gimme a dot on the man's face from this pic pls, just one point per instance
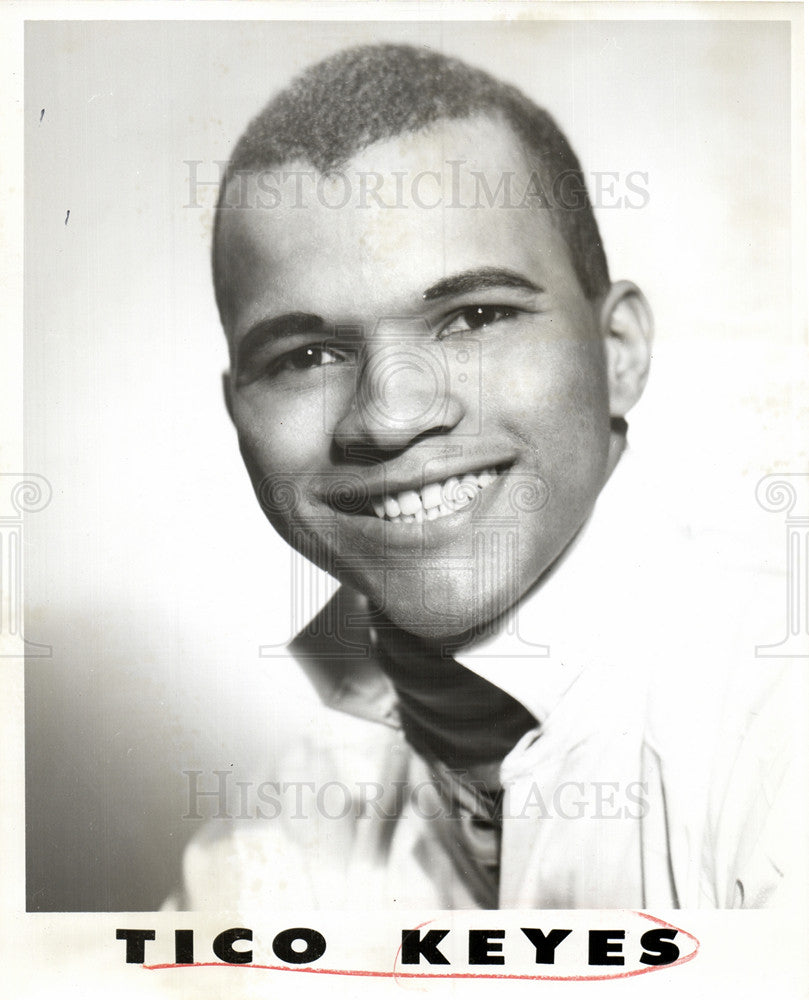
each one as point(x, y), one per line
point(420, 392)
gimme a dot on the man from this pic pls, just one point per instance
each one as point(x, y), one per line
point(430, 376)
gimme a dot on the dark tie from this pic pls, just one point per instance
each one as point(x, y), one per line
point(462, 726)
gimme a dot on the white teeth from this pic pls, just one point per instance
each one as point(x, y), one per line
point(450, 490)
point(409, 502)
point(436, 499)
point(431, 495)
point(469, 487)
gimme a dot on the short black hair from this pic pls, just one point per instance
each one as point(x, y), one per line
point(370, 93)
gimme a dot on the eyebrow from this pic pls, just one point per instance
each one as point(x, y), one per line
point(476, 280)
point(286, 325)
point(289, 324)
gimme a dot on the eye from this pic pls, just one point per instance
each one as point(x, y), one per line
point(475, 318)
point(309, 356)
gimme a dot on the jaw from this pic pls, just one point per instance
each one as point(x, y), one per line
point(449, 591)
point(441, 604)
point(448, 577)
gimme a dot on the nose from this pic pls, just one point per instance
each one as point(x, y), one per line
point(403, 391)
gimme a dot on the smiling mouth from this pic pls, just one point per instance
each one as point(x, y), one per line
point(434, 500)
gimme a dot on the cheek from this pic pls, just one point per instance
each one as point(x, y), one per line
point(557, 406)
point(280, 437)
point(273, 445)
point(554, 391)
point(577, 422)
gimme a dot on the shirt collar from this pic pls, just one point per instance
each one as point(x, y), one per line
point(336, 652)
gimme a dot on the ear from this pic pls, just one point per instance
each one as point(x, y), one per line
point(627, 326)
point(227, 393)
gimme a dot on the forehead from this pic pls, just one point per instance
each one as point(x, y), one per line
point(402, 214)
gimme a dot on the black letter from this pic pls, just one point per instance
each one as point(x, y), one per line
point(655, 940)
point(545, 944)
point(184, 947)
point(414, 946)
point(314, 940)
point(600, 951)
point(135, 946)
point(483, 948)
point(223, 946)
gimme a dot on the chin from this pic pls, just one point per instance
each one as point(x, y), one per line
point(443, 614)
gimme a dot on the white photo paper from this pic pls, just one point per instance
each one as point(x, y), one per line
point(405, 506)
